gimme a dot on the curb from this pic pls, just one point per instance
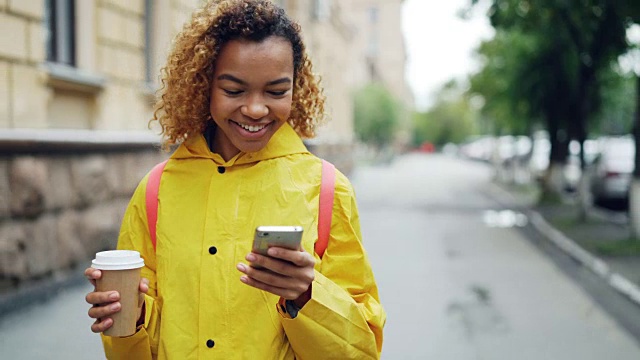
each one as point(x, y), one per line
point(596, 265)
point(38, 291)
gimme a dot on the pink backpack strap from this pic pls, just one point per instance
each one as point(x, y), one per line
point(151, 199)
point(327, 191)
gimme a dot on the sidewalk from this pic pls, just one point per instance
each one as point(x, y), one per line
point(602, 242)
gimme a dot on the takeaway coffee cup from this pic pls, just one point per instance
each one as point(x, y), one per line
point(121, 272)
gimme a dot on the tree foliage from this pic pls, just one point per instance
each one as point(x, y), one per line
point(376, 115)
point(505, 104)
point(451, 119)
point(554, 53)
point(615, 116)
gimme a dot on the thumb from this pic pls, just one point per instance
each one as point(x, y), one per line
point(144, 288)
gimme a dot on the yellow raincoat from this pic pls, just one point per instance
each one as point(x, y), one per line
point(197, 308)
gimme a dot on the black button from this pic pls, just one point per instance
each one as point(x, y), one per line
point(213, 250)
point(210, 343)
point(221, 169)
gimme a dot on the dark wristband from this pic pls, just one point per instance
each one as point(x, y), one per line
point(292, 308)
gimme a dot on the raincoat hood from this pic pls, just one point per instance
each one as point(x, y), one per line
point(284, 142)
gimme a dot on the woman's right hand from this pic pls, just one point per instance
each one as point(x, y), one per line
point(105, 304)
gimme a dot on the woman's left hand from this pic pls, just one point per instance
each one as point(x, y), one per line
point(286, 273)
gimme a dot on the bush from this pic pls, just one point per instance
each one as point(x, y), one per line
point(376, 115)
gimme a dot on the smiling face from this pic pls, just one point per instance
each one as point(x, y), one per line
point(251, 94)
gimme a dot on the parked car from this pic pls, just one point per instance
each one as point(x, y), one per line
point(478, 148)
point(609, 176)
point(539, 162)
point(572, 170)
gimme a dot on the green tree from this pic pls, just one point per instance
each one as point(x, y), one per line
point(451, 119)
point(575, 41)
point(630, 11)
point(506, 105)
point(376, 115)
point(618, 104)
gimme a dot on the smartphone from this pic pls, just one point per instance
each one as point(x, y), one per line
point(281, 236)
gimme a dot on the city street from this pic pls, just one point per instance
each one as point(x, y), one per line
point(454, 287)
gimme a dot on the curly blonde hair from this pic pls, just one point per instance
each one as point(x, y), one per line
point(183, 103)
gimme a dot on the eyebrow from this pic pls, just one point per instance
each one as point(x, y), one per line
point(242, 82)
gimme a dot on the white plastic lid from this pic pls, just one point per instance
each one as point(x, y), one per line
point(117, 260)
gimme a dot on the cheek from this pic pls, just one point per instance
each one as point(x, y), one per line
point(283, 108)
point(219, 105)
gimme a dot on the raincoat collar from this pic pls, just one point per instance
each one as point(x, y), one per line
point(284, 142)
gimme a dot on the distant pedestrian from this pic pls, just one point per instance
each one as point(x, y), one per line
point(238, 95)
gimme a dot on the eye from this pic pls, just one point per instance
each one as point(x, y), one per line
point(278, 93)
point(232, 92)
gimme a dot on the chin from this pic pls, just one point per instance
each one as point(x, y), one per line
point(253, 147)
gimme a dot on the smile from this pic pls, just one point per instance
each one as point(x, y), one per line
point(251, 128)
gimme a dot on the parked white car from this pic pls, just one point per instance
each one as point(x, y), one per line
point(572, 170)
point(609, 176)
point(539, 161)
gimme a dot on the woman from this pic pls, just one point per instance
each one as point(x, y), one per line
point(239, 93)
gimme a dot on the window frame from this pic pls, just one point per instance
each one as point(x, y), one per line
point(60, 28)
point(321, 10)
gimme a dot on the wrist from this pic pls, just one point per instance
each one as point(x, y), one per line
point(140, 321)
point(302, 300)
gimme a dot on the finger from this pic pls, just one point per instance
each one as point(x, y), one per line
point(299, 258)
point(285, 293)
point(275, 265)
point(267, 277)
point(144, 285)
point(92, 275)
point(97, 298)
point(100, 326)
point(98, 312)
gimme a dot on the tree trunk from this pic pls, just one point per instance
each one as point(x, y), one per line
point(585, 92)
point(634, 191)
point(553, 181)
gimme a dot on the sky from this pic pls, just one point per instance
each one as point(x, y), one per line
point(440, 44)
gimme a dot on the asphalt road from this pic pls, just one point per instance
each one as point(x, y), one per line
point(458, 286)
point(455, 284)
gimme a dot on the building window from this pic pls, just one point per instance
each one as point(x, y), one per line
point(148, 44)
point(373, 15)
point(373, 71)
point(60, 31)
point(321, 10)
point(372, 45)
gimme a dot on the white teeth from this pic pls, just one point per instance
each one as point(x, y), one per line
point(251, 128)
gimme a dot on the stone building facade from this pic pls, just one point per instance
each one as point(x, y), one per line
point(352, 43)
point(76, 95)
point(379, 46)
point(77, 82)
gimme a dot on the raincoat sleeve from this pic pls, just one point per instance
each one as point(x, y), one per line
point(134, 235)
point(344, 318)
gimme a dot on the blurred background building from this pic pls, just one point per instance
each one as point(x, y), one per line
point(77, 83)
point(353, 44)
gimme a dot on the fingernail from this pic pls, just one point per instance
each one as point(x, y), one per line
point(272, 252)
point(115, 307)
point(243, 279)
point(113, 296)
point(241, 267)
point(251, 257)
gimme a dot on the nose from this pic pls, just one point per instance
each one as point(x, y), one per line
point(255, 108)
